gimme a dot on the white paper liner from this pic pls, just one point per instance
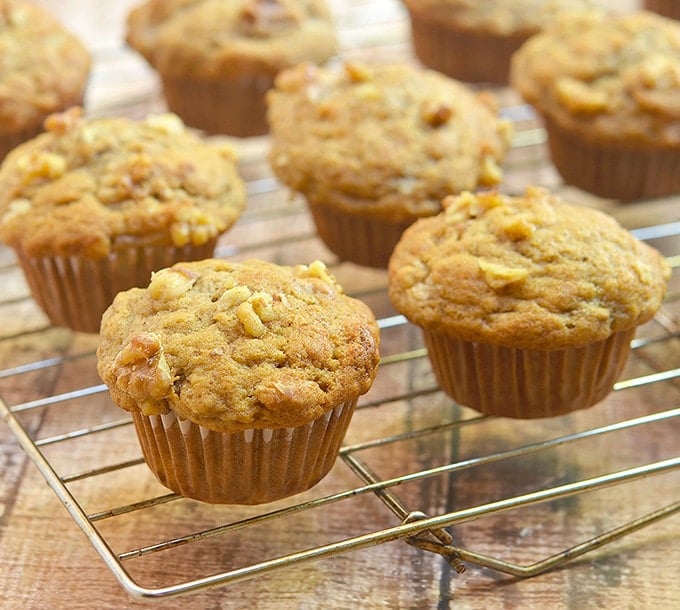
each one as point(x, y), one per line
point(75, 291)
point(248, 467)
point(507, 382)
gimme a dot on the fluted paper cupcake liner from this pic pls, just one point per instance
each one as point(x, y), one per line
point(233, 106)
point(669, 8)
point(362, 240)
point(502, 381)
point(249, 467)
point(75, 291)
point(463, 53)
point(610, 170)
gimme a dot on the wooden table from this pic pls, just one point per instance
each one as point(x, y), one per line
point(478, 469)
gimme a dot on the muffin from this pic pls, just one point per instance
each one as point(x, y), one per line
point(44, 69)
point(241, 377)
point(668, 8)
point(92, 207)
point(608, 91)
point(374, 147)
point(217, 59)
point(473, 40)
point(527, 304)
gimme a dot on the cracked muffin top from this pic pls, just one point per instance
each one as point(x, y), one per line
point(213, 38)
point(238, 345)
point(529, 272)
point(388, 141)
point(43, 67)
point(86, 187)
point(616, 78)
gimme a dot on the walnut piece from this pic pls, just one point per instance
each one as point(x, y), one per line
point(580, 97)
point(498, 275)
point(36, 165)
point(192, 226)
point(167, 123)
point(436, 113)
point(252, 323)
point(142, 372)
point(169, 284)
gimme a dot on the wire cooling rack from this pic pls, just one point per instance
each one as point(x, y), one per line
point(408, 447)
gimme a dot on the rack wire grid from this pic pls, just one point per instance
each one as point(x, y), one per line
point(423, 468)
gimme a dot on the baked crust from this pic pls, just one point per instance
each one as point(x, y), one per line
point(211, 39)
point(528, 272)
point(238, 345)
point(607, 79)
point(387, 141)
point(44, 67)
point(85, 187)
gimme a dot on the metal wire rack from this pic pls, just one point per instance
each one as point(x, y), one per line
point(405, 416)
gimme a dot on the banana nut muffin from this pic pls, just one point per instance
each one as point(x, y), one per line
point(92, 207)
point(473, 40)
point(44, 69)
point(217, 59)
point(608, 90)
point(374, 147)
point(527, 304)
point(242, 377)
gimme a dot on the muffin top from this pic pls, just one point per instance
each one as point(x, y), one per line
point(43, 67)
point(527, 272)
point(237, 345)
point(388, 141)
point(605, 77)
point(85, 187)
point(214, 38)
point(503, 17)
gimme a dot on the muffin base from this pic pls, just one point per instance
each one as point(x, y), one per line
point(619, 172)
point(356, 239)
point(462, 53)
point(525, 384)
point(74, 292)
point(669, 8)
point(248, 467)
point(233, 106)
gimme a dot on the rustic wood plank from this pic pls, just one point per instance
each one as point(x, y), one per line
point(48, 563)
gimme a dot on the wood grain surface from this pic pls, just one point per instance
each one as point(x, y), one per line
point(403, 426)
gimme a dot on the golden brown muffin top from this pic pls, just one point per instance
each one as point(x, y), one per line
point(613, 78)
point(215, 38)
point(504, 17)
point(388, 141)
point(43, 67)
point(238, 345)
point(86, 186)
point(528, 272)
